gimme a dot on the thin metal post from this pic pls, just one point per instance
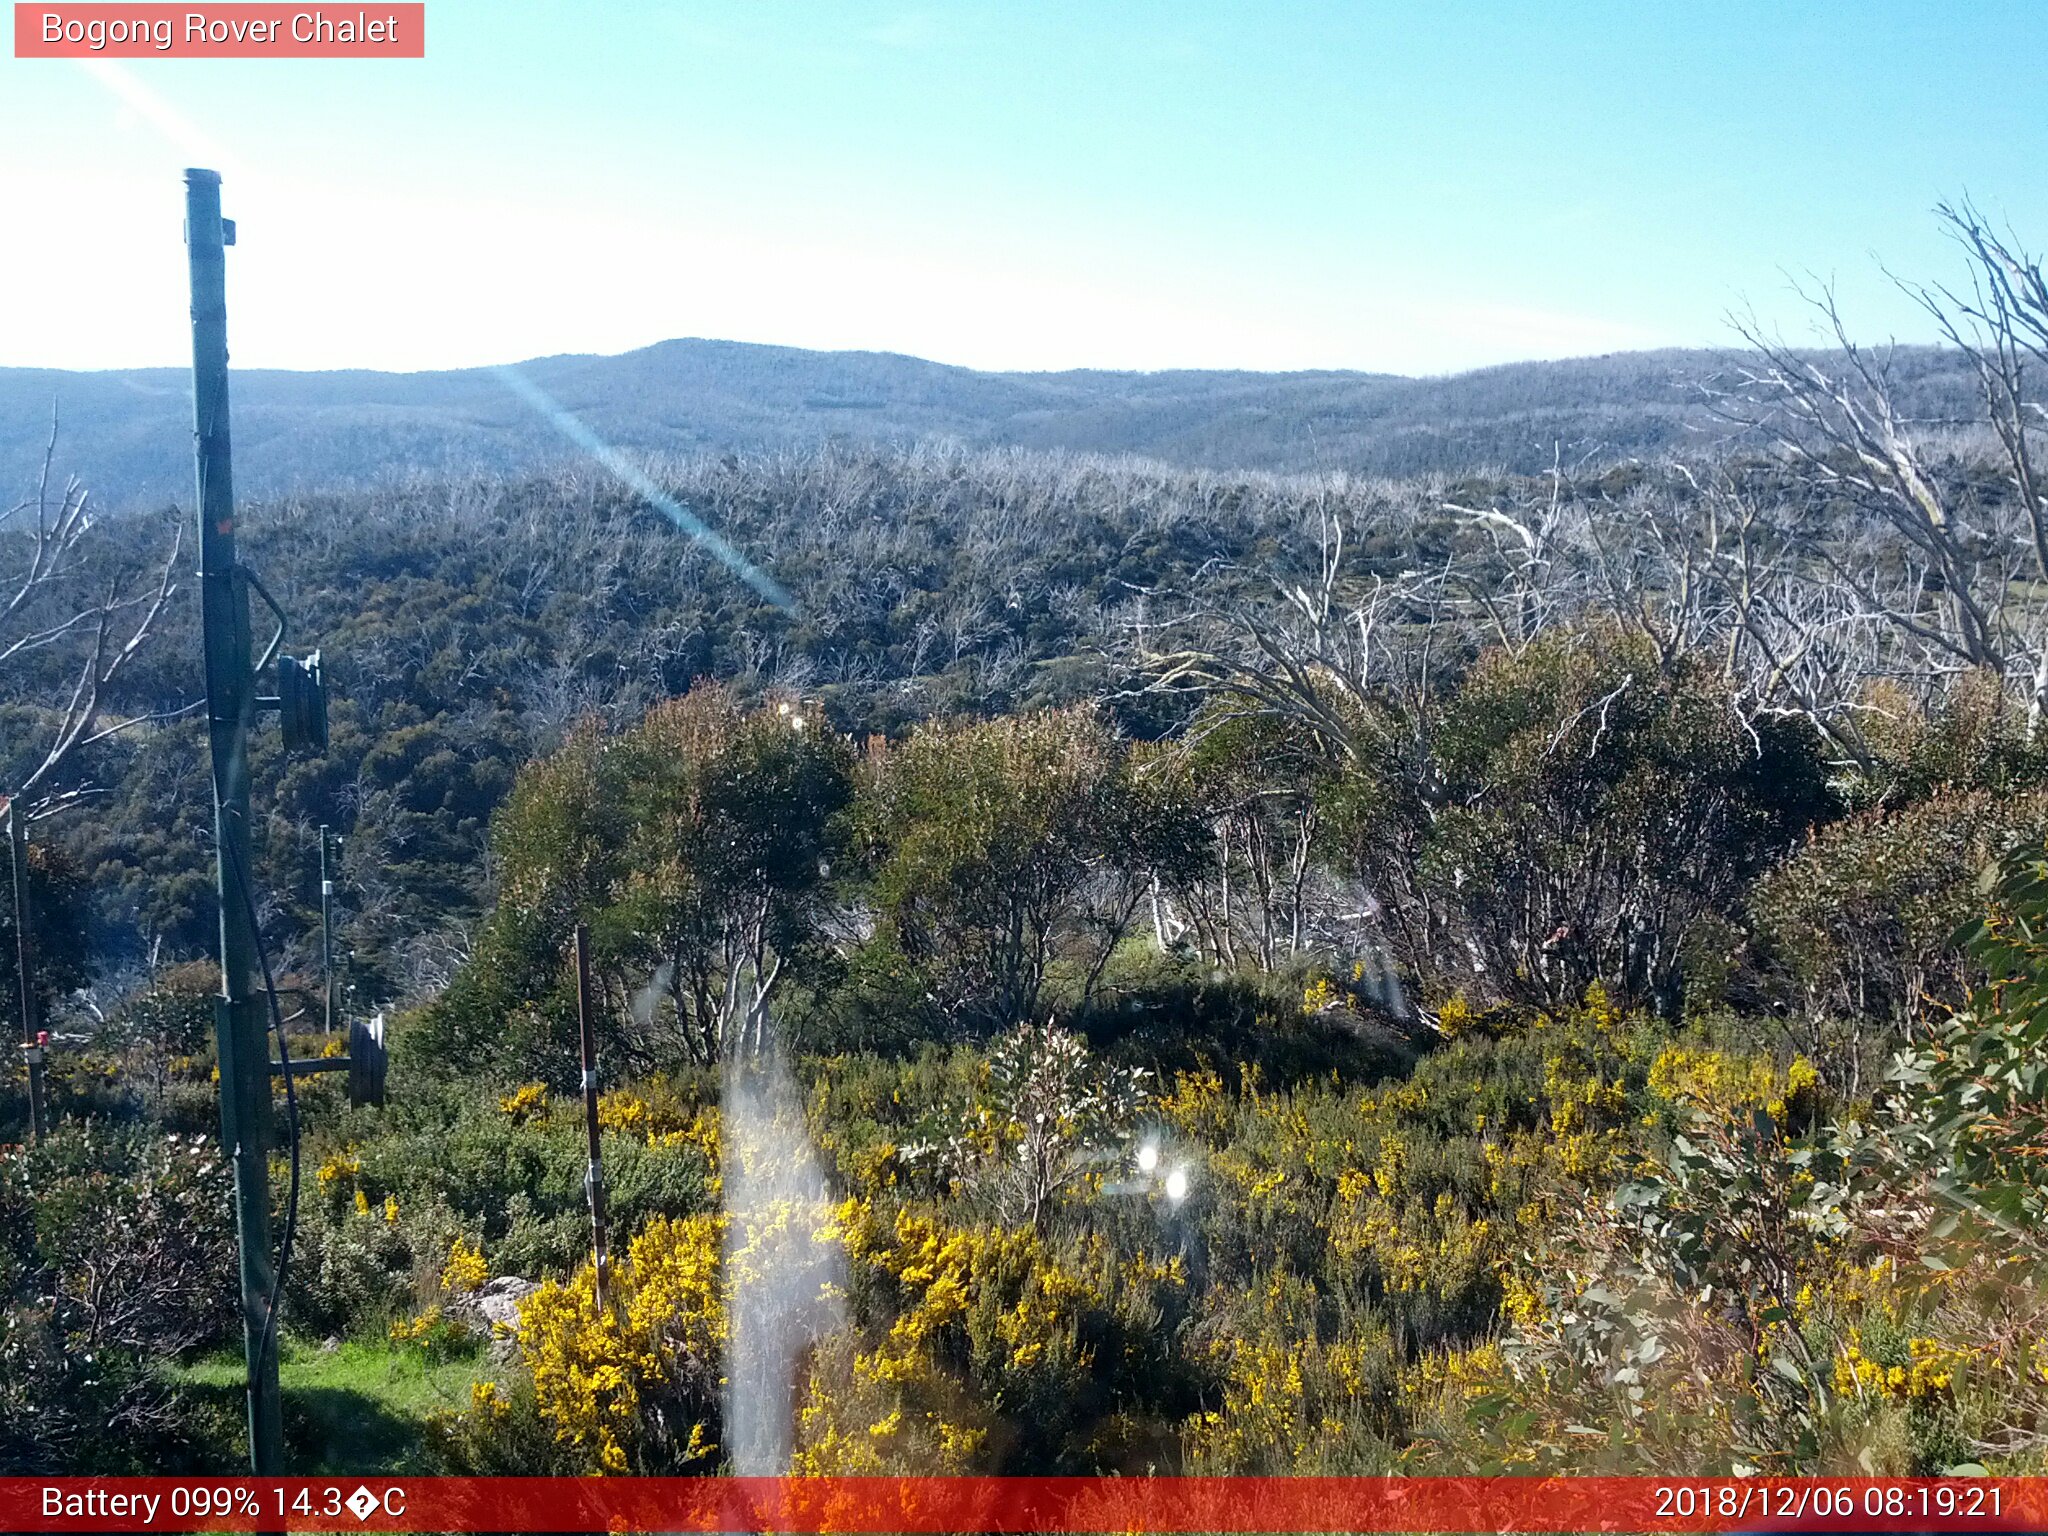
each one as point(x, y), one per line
point(593, 1172)
point(239, 1025)
point(326, 930)
point(25, 968)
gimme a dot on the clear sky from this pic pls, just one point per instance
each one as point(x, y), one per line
point(1415, 187)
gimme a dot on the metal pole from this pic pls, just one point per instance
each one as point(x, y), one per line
point(230, 704)
point(326, 929)
point(25, 968)
point(593, 1172)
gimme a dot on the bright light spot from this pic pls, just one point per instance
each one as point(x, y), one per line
point(1177, 1184)
point(1148, 1158)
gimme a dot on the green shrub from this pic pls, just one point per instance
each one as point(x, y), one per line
point(1857, 931)
point(114, 1255)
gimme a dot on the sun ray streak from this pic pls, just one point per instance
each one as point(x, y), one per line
point(544, 403)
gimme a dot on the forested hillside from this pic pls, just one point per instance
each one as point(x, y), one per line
point(293, 431)
point(1133, 968)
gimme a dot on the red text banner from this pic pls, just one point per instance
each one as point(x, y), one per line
point(965, 1504)
point(240, 31)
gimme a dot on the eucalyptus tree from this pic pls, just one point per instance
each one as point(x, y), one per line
point(1001, 848)
point(698, 846)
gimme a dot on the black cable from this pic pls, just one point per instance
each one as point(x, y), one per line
point(291, 1104)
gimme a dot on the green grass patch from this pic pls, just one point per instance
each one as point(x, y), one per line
point(356, 1408)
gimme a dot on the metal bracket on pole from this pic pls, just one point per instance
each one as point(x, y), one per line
point(366, 1063)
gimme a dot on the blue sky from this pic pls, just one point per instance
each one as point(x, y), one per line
point(1414, 187)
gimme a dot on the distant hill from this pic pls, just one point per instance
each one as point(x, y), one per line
point(127, 433)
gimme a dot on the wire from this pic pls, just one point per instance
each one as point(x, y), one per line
point(291, 1104)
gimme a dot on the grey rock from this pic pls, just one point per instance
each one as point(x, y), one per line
point(493, 1312)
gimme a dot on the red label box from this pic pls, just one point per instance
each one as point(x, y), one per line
point(242, 31)
point(1044, 1506)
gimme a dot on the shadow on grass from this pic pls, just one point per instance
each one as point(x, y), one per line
point(329, 1430)
point(343, 1430)
point(359, 1409)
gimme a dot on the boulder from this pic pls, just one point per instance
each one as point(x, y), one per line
point(493, 1311)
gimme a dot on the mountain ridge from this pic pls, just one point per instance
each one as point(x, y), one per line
point(126, 432)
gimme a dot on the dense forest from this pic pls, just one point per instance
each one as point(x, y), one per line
point(1133, 967)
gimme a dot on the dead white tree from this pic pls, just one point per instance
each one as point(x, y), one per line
point(2001, 325)
point(102, 611)
point(1321, 652)
point(1839, 423)
point(1942, 569)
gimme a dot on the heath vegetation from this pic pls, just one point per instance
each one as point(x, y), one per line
point(1280, 973)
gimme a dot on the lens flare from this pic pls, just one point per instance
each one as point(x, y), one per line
point(646, 489)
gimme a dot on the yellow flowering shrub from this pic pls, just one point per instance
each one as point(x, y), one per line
point(654, 1107)
point(622, 1110)
point(1320, 994)
point(1198, 1107)
point(634, 1388)
point(410, 1330)
point(465, 1270)
point(1292, 1399)
point(1927, 1372)
point(1455, 1377)
point(431, 1333)
point(526, 1102)
point(1432, 1271)
point(339, 1168)
point(1455, 1017)
point(974, 1327)
point(1521, 1303)
point(703, 1132)
point(1722, 1082)
point(1435, 1249)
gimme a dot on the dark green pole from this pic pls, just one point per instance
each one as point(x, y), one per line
point(326, 931)
point(25, 966)
point(230, 706)
point(593, 1168)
